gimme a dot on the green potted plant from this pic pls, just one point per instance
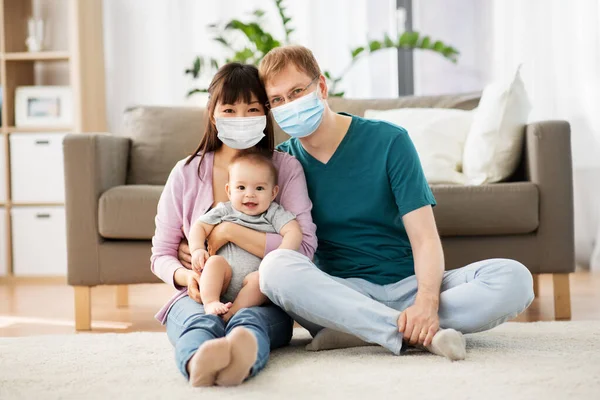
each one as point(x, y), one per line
point(258, 42)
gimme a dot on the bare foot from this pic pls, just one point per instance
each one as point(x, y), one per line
point(216, 308)
point(210, 358)
point(244, 350)
point(449, 343)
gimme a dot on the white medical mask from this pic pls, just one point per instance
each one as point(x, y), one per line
point(300, 117)
point(241, 133)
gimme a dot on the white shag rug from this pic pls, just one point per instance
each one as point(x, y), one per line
point(543, 360)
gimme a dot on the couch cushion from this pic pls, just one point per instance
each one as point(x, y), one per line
point(161, 136)
point(127, 212)
point(495, 209)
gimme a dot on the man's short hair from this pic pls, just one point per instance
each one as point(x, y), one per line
point(280, 57)
point(257, 158)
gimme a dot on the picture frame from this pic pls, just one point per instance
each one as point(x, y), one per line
point(37, 106)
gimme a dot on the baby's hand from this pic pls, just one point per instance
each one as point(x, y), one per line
point(199, 258)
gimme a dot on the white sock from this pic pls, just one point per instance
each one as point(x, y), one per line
point(449, 343)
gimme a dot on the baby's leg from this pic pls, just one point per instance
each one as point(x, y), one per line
point(214, 280)
point(249, 296)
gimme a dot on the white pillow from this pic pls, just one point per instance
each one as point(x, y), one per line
point(439, 136)
point(495, 141)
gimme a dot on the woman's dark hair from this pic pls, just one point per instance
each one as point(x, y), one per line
point(233, 82)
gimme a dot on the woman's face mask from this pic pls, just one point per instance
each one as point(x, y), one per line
point(300, 117)
point(241, 132)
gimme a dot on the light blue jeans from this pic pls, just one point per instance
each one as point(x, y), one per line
point(474, 298)
point(188, 327)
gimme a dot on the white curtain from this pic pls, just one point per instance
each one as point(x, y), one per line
point(558, 43)
point(149, 44)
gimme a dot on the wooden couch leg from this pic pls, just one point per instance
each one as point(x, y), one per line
point(122, 296)
point(83, 308)
point(536, 285)
point(562, 296)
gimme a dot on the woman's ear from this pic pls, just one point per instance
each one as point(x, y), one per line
point(275, 192)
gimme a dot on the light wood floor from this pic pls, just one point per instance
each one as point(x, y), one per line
point(47, 308)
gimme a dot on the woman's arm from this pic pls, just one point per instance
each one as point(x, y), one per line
point(248, 239)
point(168, 234)
point(294, 198)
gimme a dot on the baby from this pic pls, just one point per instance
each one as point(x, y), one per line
point(232, 274)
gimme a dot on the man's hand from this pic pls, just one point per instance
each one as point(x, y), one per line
point(218, 238)
point(420, 322)
point(183, 254)
point(193, 287)
point(199, 258)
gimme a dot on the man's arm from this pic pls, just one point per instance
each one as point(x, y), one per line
point(429, 269)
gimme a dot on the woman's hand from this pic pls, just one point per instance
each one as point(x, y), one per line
point(193, 287)
point(218, 238)
point(183, 254)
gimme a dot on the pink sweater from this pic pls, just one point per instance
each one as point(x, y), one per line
point(186, 197)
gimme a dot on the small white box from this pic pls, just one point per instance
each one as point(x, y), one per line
point(3, 260)
point(39, 241)
point(36, 164)
point(2, 170)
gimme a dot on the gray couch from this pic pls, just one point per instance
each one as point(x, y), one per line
point(113, 183)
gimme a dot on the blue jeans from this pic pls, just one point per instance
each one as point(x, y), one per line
point(474, 298)
point(188, 327)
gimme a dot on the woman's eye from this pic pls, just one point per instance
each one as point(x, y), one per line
point(254, 110)
point(228, 111)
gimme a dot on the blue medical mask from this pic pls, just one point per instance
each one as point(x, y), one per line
point(300, 117)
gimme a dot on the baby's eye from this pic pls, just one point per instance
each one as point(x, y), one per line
point(241, 187)
point(260, 188)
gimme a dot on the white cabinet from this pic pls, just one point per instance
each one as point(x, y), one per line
point(39, 241)
point(2, 170)
point(36, 166)
point(3, 260)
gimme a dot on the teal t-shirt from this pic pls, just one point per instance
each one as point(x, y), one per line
point(359, 197)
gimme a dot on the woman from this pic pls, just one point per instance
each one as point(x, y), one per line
point(209, 351)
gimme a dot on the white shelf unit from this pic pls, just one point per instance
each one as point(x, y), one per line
point(32, 220)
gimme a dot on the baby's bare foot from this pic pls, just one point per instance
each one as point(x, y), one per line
point(210, 358)
point(216, 308)
point(244, 350)
point(449, 343)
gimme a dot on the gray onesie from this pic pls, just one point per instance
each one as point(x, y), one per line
point(242, 262)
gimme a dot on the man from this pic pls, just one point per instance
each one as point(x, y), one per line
point(378, 272)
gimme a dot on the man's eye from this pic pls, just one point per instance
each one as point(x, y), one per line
point(276, 100)
point(297, 91)
point(241, 187)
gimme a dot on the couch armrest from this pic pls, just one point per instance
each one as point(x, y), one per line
point(93, 163)
point(548, 164)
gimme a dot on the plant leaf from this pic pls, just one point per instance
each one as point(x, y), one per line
point(388, 42)
point(425, 42)
point(357, 51)
point(258, 13)
point(194, 91)
point(374, 45)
